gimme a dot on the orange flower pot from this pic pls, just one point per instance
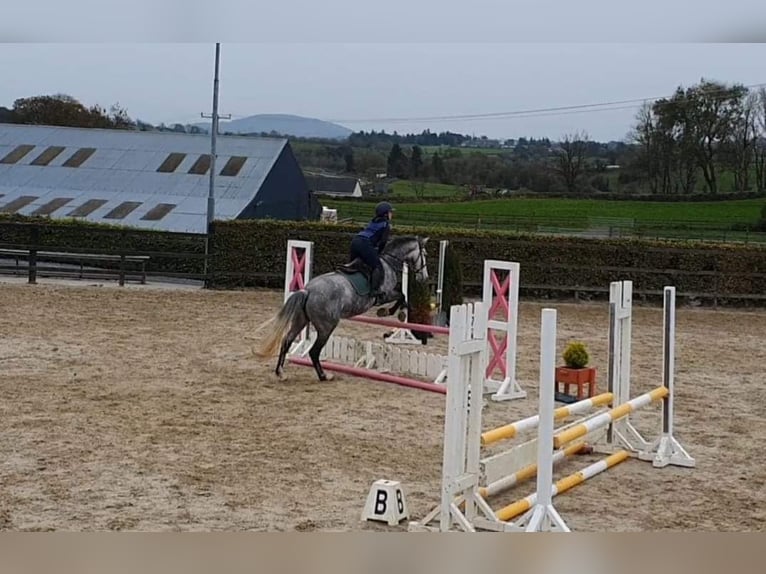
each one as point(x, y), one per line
point(584, 378)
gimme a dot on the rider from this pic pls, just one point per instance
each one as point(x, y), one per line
point(368, 244)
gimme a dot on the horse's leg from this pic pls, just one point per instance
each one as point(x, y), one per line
point(401, 300)
point(398, 304)
point(324, 330)
point(295, 329)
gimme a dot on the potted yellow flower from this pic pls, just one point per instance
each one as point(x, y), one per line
point(575, 372)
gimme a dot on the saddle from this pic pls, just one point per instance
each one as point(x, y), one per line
point(354, 266)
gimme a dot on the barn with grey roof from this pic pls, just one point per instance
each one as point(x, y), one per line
point(157, 180)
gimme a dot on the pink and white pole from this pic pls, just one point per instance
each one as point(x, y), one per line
point(501, 297)
point(300, 259)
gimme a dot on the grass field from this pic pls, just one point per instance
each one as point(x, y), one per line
point(743, 211)
point(710, 221)
point(720, 212)
point(404, 189)
point(431, 149)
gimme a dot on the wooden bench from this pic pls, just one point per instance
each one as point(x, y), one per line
point(32, 255)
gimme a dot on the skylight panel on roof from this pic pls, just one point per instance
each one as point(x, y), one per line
point(201, 166)
point(17, 154)
point(233, 166)
point(122, 210)
point(18, 203)
point(87, 208)
point(52, 206)
point(48, 155)
point(158, 211)
point(79, 157)
point(171, 162)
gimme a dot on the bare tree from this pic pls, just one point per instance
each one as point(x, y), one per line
point(645, 136)
point(759, 149)
point(570, 164)
point(743, 142)
point(713, 109)
point(418, 188)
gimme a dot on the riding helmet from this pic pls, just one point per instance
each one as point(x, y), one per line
point(383, 208)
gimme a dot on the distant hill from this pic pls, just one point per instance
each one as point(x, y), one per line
point(283, 124)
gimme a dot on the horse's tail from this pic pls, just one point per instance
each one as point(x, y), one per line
point(292, 308)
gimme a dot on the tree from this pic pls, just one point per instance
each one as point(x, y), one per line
point(397, 162)
point(120, 119)
point(348, 157)
point(368, 161)
point(739, 150)
point(714, 109)
point(7, 116)
point(570, 164)
point(452, 289)
point(677, 144)
point(699, 130)
point(64, 110)
point(646, 136)
point(437, 166)
point(418, 188)
point(416, 162)
point(759, 148)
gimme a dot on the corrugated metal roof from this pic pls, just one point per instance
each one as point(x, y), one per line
point(124, 168)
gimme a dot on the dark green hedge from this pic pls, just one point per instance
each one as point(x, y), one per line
point(547, 263)
point(169, 252)
point(252, 253)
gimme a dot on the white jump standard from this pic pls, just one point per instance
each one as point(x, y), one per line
point(500, 296)
point(463, 498)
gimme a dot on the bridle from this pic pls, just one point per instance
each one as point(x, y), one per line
point(421, 259)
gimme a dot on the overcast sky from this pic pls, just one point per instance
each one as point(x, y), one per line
point(373, 85)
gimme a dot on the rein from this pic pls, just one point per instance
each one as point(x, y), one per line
point(422, 261)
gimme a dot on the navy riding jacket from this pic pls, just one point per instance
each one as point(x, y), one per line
point(377, 232)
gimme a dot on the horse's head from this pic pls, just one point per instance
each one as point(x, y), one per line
point(420, 266)
point(412, 251)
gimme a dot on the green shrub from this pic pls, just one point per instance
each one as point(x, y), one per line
point(419, 298)
point(452, 288)
point(576, 355)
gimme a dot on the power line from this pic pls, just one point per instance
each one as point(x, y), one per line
point(529, 114)
point(616, 105)
point(598, 107)
point(501, 115)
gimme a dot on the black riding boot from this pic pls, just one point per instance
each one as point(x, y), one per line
point(376, 279)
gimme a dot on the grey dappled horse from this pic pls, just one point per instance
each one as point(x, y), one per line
point(330, 297)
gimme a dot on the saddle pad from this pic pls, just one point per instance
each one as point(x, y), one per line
point(359, 282)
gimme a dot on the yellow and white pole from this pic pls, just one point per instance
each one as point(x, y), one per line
point(511, 430)
point(520, 506)
point(527, 472)
point(604, 419)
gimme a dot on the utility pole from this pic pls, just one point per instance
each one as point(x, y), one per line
point(213, 136)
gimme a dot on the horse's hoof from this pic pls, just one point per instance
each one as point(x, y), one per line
point(326, 377)
point(281, 376)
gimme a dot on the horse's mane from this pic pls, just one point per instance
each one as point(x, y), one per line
point(399, 241)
